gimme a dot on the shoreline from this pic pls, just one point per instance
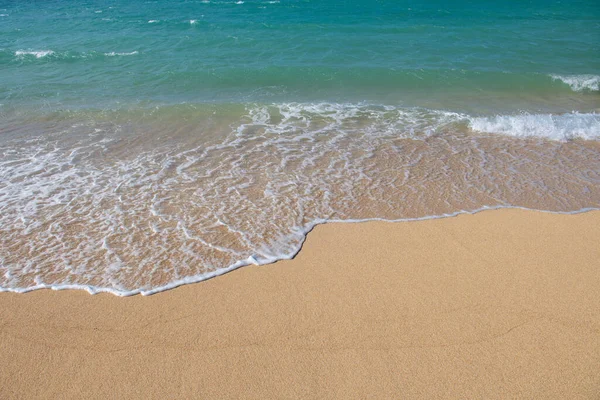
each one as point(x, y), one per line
point(493, 304)
point(92, 290)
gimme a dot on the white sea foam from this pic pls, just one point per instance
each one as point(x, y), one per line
point(579, 83)
point(193, 21)
point(554, 127)
point(377, 121)
point(113, 54)
point(153, 21)
point(91, 289)
point(36, 54)
point(99, 207)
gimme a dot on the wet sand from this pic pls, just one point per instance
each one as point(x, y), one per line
point(500, 304)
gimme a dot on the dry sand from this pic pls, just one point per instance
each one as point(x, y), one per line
point(501, 304)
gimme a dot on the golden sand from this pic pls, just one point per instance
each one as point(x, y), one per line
point(501, 304)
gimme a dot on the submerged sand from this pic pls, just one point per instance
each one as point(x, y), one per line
point(500, 304)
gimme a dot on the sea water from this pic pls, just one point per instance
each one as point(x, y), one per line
point(148, 144)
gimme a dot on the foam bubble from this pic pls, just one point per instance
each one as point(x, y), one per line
point(579, 83)
point(555, 127)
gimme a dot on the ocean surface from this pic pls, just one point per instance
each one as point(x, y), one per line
point(149, 144)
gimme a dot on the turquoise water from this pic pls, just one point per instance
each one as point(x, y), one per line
point(462, 55)
point(149, 144)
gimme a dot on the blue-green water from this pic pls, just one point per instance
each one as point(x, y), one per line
point(148, 144)
point(430, 53)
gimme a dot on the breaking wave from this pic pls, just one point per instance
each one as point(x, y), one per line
point(554, 127)
point(580, 83)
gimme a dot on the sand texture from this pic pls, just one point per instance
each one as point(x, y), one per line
point(500, 304)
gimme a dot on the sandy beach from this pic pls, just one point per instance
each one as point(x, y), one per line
point(500, 304)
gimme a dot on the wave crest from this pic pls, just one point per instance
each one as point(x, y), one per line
point(113, 54)
point(34, 53)
point(555, 127)
point(579, 83)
